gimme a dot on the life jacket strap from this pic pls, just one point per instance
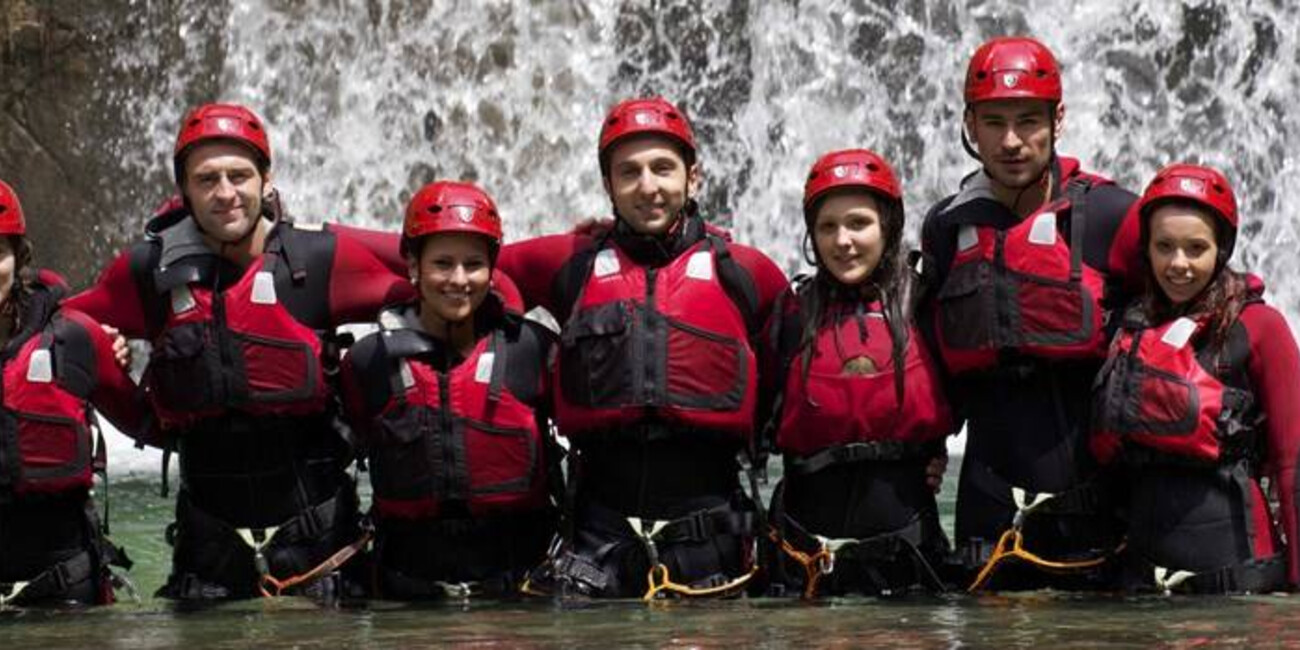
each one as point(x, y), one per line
point(51, 582)
point(857, 452)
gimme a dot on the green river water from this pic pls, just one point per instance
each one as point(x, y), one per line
point(1040, 619)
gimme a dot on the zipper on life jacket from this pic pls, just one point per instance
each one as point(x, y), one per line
point(646, 363)
point(445, 441)
point(1002, 306)
point(222, 334)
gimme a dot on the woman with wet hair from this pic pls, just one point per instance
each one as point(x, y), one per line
point(1198, 403)
point(858, 409)
point(55, 364)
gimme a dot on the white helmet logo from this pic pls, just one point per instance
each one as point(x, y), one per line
point(463, 212)
point(840, 171)
point(1192, 185)
point(227, 125)
point(643, 119)
point(1010, 79)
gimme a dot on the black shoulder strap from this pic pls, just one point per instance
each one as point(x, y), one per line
point(308, 258)
point(738, 284)
point(1077, 192)
point(74, 359)
point(571, 279)
point(142, 260)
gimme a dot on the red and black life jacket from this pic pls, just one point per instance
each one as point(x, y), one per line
point(462, 435)
point(254, 347)
point(46, 440)
point(1025, 288)
point(1160, 391)
point(834, 409)
point(669, 342)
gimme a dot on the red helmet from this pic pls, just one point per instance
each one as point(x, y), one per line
point(450, 206)
point(224, 122)
point(11, 212)
point(851, 168)
point(1204, 186)
point(654, 115)
point(1013, 68)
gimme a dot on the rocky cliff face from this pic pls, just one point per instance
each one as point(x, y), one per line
point(62, 131)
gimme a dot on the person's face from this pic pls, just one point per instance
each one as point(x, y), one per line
point(225, 189)
point(1183, 250)
point(1014, 138)
point(649, 183)
point(7, 265)
point(849, 236)
point(452, 276)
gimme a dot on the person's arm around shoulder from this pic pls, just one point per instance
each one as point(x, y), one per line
point(112, 392)
point(769, 280)
point(361, 284)
point(1273, 369)
point(534, 265)
point(114, 299)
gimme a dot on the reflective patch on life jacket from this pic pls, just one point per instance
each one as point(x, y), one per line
point(1179, 333)
point(1043, 232)
point(39, 367)
point(967, 237)
point(182, 300)
point(606, 263)
point(483, 369)
point(700, 266)
point(263, 288)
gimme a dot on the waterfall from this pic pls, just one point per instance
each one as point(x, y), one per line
point(367, 100)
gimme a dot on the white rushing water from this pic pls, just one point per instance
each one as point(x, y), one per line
point(367, 100)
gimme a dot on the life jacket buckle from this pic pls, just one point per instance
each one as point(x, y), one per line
point(1167, 580)
point(13, 593)
point(647, 536)
point(258, 539)
point(1025, 508)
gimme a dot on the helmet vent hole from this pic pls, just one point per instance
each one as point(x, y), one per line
point(1041, 73)
point(981, 75)
point(254, 126)
point(195, 122)
point(435, 209)
point(612, 121)
point(873, 167)
point(671, 116)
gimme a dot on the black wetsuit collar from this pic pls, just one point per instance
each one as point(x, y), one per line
point(658, 250)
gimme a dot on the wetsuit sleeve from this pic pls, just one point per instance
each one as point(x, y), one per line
point(535, 263)
point(114, 299)
point(1274, 366)
point(769, 279)
point(114, 394)
point(361, 284)
point(385, 246)
point(937, 245)
point(771, 374)
point(1110, 243)
point(353, 397)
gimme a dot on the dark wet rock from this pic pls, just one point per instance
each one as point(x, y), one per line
point(432, 125)
point(67, 68)
point(1262, 51)
point(1202, 26)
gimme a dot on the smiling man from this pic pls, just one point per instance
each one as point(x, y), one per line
point(238, 303)
point(1018, 258)
point(655, 371)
